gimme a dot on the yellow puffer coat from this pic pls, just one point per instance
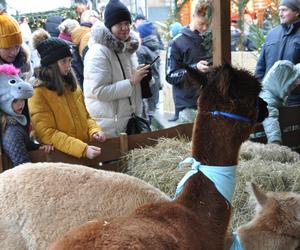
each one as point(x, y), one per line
point(80, 37)
point(62, 121)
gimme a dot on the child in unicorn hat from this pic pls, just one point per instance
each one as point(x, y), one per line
point(14, 91)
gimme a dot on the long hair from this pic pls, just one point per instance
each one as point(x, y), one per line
point(52, 79)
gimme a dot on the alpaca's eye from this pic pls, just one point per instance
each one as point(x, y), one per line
point(12, 81)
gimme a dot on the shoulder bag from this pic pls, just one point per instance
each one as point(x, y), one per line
point(136, 124)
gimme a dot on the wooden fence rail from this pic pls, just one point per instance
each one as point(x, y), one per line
point(114, 149)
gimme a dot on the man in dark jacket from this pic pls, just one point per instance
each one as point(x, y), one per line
point(191, 47)
point(283, 43)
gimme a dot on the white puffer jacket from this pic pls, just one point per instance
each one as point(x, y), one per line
point(105, 90)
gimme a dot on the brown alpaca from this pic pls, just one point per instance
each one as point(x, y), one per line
point(276, 224)
point(198, 218)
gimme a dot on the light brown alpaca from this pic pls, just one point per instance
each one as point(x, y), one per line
point(41, 201)
point(198, 218)
point(276, 224)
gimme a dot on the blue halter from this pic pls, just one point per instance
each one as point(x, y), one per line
point(233, 116)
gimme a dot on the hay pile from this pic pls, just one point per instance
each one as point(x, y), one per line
point(273, 167)
point(158, 165)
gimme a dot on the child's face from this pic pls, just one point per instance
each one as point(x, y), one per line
point(64, 65)
point(18, 105)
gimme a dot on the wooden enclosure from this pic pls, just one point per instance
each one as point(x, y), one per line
point(114, 149)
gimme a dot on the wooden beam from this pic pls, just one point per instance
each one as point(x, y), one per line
point(221, 32)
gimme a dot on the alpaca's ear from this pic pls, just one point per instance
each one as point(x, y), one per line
point(260, 196)
point(225, 81)
point(195, 77)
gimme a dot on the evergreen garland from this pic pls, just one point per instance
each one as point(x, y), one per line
point(38, 19)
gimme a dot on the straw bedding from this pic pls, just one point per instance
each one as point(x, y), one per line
point(273, 167)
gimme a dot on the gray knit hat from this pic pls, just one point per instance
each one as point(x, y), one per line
point(292, 4)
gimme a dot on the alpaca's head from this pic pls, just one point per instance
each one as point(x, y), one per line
point(227, 89)
point(277, 213)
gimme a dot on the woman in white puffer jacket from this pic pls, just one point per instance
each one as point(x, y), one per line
point(106, 91)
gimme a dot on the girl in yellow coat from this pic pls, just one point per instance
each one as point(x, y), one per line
point(58, 113)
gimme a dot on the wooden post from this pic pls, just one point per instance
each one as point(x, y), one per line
point(123, 143)
point(124, 150)
point(221, 32)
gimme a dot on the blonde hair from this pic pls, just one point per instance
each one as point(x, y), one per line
point(201, 8)
point(87, 15)
point(68, 25)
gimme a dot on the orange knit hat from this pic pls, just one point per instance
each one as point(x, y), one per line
point(10, 33)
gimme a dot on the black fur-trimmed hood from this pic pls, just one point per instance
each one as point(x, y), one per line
point(102, 35)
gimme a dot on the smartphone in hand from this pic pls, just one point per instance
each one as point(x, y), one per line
point(156, 58)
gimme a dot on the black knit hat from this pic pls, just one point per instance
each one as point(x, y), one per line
point(52, 49)
point(115, 12)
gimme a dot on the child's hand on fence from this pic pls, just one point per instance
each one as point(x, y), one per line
point(92, 152)
point(99, 136)
point(46, 148)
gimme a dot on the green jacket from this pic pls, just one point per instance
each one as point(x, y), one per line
point(276, 87)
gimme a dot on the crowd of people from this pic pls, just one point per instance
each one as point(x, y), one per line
point(88, 77)
point(86, 80)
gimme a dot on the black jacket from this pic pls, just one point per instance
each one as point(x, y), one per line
point(186, 49)
point(282, 43)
